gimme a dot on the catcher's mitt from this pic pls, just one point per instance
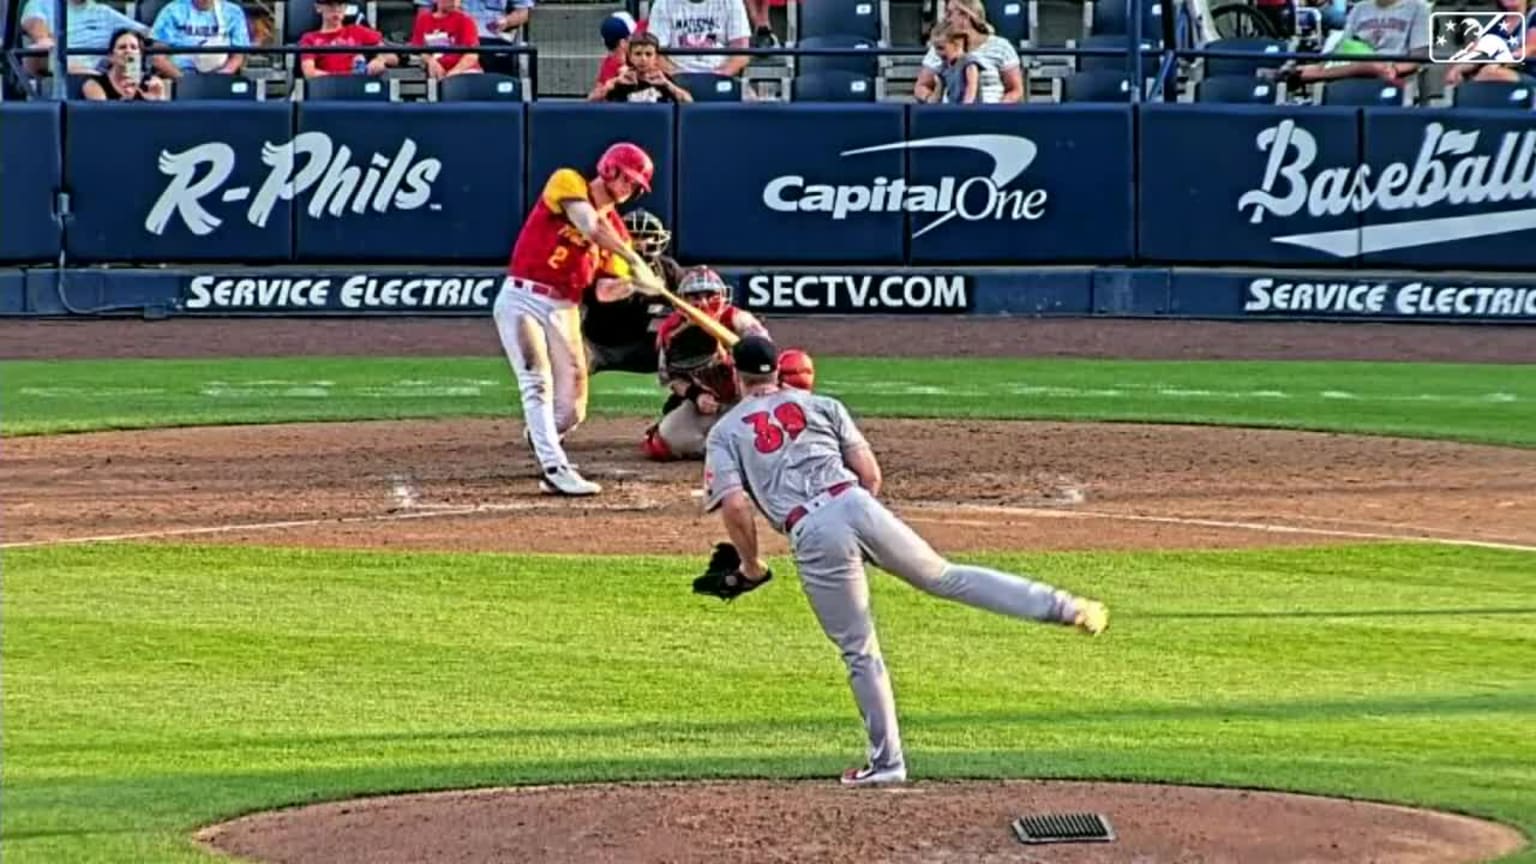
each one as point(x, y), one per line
point(723, 577)
point(694, 355)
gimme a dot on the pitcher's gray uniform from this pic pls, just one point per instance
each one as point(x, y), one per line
point(786, 451)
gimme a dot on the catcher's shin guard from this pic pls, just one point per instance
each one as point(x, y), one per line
point(655, 447)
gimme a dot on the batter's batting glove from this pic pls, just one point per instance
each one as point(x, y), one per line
point(723, 577)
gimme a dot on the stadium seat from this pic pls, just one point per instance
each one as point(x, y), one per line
point(214, 87)
point(833, 86)
point(1014, 20)
point(708, 87)
point(1361, 92)
point(146, 10)
point(851, 63)
point(1096, 87)
point(1112, 18)
point(1222, 66)
point(1236, 90)
point(346, 88)
point(855, 18)
point(299, 17)
point(485, 87)
point(1107, 63)
point(1508, 95)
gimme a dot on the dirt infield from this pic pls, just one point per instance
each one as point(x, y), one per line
point(469, 485)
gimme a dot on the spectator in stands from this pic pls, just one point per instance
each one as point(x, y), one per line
point(200, 24)
point(642, 79)
point(125, 79)
point(497, 22)
point(1511, 30)
point(442, 27)
point(335, 32)
point(762, 28)
point(960, 77)
point(91, 26)
point(616, 31)
point(1388, 26)
point(701, 24)
point(1002, 75)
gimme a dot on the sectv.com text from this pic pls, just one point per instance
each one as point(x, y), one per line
point(852, 294)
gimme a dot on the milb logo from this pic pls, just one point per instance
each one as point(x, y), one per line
point(1477, 37)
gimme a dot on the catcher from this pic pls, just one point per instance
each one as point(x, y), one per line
point(697, 371)
point(621, 336)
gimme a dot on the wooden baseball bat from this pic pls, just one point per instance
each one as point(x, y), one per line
point(723, 334)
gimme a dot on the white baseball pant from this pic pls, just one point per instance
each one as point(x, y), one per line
point(541, 336)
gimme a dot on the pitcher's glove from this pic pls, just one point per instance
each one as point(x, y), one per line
point(723, 577)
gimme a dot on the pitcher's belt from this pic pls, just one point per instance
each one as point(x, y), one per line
point(816, 503)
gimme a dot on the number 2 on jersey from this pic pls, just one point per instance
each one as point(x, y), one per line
point(557, 257)
point(788, 419)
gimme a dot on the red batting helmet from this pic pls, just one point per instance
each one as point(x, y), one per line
point(629, 161)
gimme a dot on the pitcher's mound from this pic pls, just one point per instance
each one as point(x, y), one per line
point(826, 824)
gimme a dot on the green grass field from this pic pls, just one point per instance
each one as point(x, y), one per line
point(1486, 403)
point(152, 689)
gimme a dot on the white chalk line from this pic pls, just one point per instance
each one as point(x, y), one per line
point(1265, 527)
point(438, 511)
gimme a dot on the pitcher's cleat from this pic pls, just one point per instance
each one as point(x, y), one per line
point(1092, 617)
point(563, 480)
point(868, 776)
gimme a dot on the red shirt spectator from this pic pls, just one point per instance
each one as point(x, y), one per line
point(340, 64)
point(617, 29)
point(443, 27)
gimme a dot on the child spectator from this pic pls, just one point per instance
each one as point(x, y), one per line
point(335, 32)
point(200, 24)
point(960, 77)
point(124, 80)
point(642, 79)
point(1002, 74)
point(443, 27)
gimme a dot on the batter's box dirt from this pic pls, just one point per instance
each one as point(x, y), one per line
point(931, 823)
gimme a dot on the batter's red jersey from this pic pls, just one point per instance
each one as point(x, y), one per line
point(549, 249)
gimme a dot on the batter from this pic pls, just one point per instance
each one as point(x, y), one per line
point(801, 461)
point(573, 239)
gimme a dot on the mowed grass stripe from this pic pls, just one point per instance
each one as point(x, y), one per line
point(151, 689)
point(1479, 403)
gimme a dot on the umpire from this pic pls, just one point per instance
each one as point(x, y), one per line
point(621, 336)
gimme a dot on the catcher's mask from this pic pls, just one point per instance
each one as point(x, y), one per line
point(704, 288)
point(650, 236)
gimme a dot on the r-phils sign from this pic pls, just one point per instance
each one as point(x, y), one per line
point(330, 182)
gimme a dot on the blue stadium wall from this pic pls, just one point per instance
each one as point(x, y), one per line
point(1067, 210)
